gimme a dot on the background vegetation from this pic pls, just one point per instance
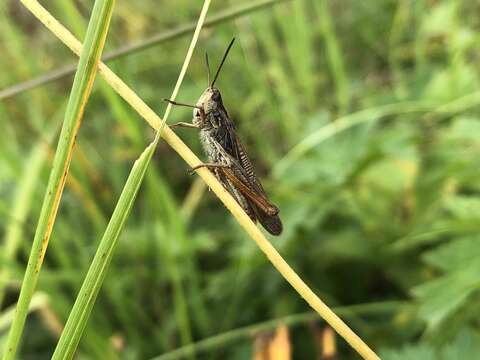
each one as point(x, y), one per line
point(362, 119)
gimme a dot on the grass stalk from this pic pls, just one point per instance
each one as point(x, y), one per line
point(85, 300)
point(78, 317)
point(82, 85)
point(192, 160)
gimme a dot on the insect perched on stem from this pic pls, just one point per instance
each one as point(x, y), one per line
point(227, 157)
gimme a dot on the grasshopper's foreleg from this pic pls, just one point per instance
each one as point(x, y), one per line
point(185, 125)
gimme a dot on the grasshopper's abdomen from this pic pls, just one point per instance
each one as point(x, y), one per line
point(209, 147)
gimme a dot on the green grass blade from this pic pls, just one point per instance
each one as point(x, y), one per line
point(93, 281)
point(85, 300)
point(82, 85)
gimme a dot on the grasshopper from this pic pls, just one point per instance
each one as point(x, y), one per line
point(227, 157)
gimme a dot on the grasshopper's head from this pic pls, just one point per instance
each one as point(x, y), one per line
point(208, 101)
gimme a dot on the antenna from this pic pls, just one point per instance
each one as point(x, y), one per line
point(223, 60)
point(208, 68)
point(180, 104)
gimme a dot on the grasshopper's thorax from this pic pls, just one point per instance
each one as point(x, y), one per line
point(209, 101)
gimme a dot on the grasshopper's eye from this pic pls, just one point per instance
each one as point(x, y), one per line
point(196, 112)
point(216, 95)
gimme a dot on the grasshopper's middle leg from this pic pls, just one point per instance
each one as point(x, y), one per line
point(208, 166)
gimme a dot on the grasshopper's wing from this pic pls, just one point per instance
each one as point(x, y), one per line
point(237, 194)
point(270, 221)
point(264, 211)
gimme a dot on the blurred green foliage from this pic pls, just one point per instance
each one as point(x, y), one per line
point(385, 209)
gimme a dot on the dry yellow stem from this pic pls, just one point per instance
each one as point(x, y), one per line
point(191, 159)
